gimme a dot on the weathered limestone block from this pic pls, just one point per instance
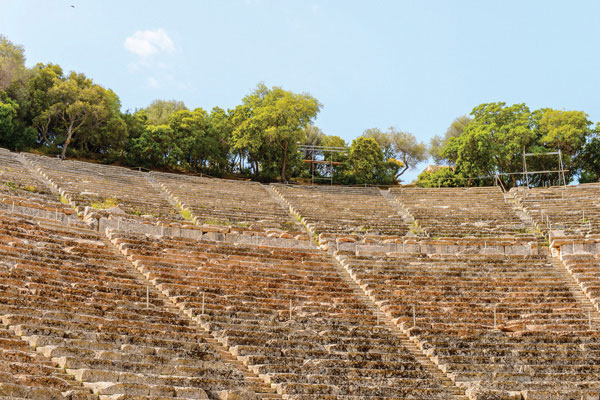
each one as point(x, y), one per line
point(237, 395)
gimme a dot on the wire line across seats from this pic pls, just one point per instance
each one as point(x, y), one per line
point(227, 202)
point(81, 304)
point(89, 184)
point(334, 211)
point(287, 314)
point(495, 324)
point(460, 212)
point(575, 210)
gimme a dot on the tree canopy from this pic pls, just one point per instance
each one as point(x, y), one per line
point(68, 114)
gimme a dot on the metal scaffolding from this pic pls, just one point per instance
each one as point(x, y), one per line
point(314, 151)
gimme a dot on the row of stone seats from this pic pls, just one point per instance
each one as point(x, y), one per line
point(574, 210)
point(460, 212)
point(25, 374)
point(16, 179)
point(499, 325)
point(120, 190)
point(287, 314)
point(334, 211)
point(585, 269)
point(81, 304)
point(225, 202)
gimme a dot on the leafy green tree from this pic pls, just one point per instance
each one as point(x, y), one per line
point(366, 162)
point(438, 144)
point(588, 161)
point(270, 119)
point(155, 147)
point(159, 111)
point(8, 116)
point(12, 62)
point(13, 133)
point(440, 177)
point(493, 142)
point(401, 149)
point(76, 101)
point(219, 132)
point(42, 117)
point(384, 139)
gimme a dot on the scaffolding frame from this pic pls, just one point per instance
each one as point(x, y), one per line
point(323, 149)
point(561, 171)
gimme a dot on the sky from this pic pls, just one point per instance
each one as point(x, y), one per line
point(414, 65)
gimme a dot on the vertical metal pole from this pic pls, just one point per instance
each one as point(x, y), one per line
point(13, 208)
point(203, 303)
point(495, 325)
point(377, 312)
point(147, 297)
point(312, 168)
point(414, 316)
point(56, 214)
point(562, 170)
point(525, 175)
point(290, 309)
point(162, 230)
point(331, 169)
point(590, 319)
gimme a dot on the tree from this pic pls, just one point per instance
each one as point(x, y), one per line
point(41, 80)
point(588, 161)
point(407, 150)
point(274, 117)
point(366, 163)
point(384, 140)
point(76, 101)
point(442, 176)
point(438, 144)
point(493, 142)
point(159, 111)
point(400, 148)
point(12, 62)
point(8, 116)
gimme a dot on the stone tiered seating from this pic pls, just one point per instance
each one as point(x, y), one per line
point(540, 345)
point(229, 203)
point(353, 212)
point(574, 210)
point(76, 300)
point(25, 374)
point(288, 315)
point(585, 269)
point(106, 187)
point(15, 179)
point(460, 212)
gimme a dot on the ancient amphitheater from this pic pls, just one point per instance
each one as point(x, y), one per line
point(120, 284)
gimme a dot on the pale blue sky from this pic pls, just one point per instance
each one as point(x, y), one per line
point(413, 64)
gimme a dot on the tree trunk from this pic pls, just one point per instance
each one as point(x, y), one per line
point(283, 162)
point(69, 135)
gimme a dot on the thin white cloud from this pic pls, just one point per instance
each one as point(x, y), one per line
point(152, 83)
point(150, 42)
